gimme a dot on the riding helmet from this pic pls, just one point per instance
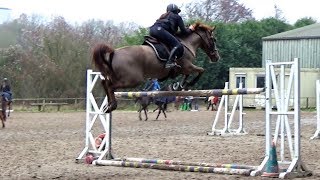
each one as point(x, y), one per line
point(173, 8)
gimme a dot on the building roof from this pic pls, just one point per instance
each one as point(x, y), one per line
point(306, 32)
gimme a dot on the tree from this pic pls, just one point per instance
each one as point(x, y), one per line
point(278, 13)
point(50, 59)
point(218, 10)
point(273, 26)
point(304, 22)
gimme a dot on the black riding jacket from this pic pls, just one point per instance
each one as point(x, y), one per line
point(172, 22)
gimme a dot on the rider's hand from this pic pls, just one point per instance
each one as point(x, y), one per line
point(191, 27)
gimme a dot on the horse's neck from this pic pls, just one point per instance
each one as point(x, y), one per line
point(191, 42)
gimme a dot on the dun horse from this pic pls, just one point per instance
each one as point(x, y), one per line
point(128, 67)
point(3, 113)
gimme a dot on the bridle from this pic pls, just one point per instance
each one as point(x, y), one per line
point(209, 42)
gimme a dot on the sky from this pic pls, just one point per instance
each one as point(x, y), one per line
point(145, 12)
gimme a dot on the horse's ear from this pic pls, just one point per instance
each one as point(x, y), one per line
point(213, 28)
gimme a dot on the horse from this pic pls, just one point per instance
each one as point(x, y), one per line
point(127, 67)
point(3, 115)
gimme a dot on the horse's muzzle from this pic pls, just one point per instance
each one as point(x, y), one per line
point(214, 56)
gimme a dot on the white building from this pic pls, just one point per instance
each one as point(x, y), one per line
point(5, 14)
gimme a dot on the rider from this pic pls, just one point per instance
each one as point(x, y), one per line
point(165, 29)
point(5, 90)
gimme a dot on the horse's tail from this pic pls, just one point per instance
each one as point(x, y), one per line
point(102, 58)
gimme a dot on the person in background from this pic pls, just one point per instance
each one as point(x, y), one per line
point(5, 90)
point(152, 84)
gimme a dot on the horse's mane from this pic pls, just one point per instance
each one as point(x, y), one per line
point(199, 25)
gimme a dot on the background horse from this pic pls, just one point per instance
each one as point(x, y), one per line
point(144, 102)
point(128, 67)
point(161, 103)
point(3, 114)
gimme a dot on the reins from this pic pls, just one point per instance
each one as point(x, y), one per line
point(214, 49)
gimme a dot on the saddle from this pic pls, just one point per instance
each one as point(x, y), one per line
point(162, 51)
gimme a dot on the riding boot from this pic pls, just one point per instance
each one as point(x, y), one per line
point(171, 60)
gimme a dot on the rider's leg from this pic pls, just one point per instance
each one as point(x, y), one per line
point(172, 57)
point(167, 38)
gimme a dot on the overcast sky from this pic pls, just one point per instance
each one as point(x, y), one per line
point(144, 12)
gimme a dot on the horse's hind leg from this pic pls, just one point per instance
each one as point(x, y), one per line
point(112, 105)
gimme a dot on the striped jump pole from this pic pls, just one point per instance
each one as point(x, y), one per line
point(174, 167)
point(212, 92)
point(172, 162)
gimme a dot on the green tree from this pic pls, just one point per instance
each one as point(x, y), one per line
point(304, 22)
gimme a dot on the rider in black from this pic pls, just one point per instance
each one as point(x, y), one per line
point(164, 30)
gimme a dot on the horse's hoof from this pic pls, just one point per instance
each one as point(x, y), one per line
point(176, 86)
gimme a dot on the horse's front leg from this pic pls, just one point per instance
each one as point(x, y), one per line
point(184, 81)
point(112, 102)
point(3, 125)
point(3, 111)
point(193, 69)
point(9, 104)
point(159, 111)
point(146, 113)
point(139, 111)
point(2, 120)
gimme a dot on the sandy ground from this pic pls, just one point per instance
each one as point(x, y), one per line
point(45, 145)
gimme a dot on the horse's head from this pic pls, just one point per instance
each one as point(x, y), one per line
point(208, 40)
